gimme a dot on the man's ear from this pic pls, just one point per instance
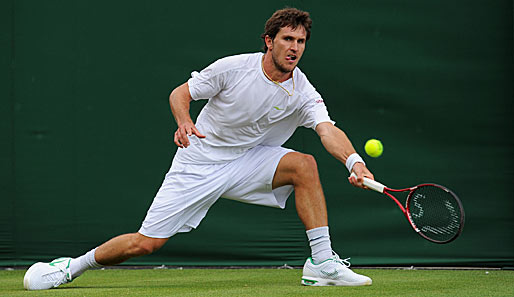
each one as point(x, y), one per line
point(269, 42)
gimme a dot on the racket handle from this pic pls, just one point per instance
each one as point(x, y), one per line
point(374, 185)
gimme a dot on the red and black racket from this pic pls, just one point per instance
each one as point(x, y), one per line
point(434, 211)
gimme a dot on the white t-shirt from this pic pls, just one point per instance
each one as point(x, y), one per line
point(246, 109)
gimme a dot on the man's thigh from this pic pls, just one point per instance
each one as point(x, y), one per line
point(185, 196)
point(252, 177)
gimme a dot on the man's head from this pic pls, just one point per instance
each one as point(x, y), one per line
point(287, 17)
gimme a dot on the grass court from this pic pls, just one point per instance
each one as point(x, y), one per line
point(267, 282)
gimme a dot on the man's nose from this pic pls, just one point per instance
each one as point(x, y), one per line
point(294, 46)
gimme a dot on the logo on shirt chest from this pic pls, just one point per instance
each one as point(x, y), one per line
point(277, 108)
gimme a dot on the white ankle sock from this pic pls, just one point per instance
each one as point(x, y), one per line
point(83, 263)
point(319, 240)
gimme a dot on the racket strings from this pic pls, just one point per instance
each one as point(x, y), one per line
point(435, 212)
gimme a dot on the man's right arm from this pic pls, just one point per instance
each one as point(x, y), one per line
point(180, 99)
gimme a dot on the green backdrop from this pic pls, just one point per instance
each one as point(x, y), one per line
point(86, 130)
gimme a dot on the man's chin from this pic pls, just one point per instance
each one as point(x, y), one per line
point(287, 68)
point(284, 68)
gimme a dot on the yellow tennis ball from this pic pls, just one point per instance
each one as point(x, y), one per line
point(374, 148)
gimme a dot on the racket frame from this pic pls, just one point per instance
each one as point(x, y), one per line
point(378, 187)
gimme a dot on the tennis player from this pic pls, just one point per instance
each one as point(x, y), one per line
point(234, 150)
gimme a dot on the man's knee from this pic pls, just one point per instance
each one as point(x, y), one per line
point(305, 166)
point(306, 163)
point(147, 245)
point(296, 169)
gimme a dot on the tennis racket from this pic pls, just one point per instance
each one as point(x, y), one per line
point(434, 211)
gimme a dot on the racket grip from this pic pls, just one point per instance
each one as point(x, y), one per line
point(374, 185)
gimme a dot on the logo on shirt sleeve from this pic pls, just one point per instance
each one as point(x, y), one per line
point(319, 100)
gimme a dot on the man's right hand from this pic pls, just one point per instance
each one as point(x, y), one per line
point(183, 132)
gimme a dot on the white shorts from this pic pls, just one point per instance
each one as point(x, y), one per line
point(189, 190)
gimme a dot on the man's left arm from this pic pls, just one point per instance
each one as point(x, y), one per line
point(339, 145)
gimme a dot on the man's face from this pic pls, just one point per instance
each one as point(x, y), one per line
point(287, 48)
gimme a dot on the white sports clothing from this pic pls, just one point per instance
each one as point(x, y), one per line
point(245, 121)
point(319, 240)
point(189, 190)
point(246, 109)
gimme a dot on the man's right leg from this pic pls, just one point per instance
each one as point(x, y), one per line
point(324, 268)
point(42, 276)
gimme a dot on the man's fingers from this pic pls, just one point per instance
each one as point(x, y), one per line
point(357, 180)
point(177, 142)
point(353, 181)
point(181, 140)
point(184, 139)
point(197, 133)
point(182, 135)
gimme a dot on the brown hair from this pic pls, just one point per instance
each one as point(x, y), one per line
point(287, 17)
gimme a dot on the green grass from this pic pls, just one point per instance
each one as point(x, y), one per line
point(267, 282)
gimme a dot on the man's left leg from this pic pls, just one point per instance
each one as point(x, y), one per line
point(323, 268)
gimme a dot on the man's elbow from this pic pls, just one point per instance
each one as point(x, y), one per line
point(179, 92)
point(324, 128)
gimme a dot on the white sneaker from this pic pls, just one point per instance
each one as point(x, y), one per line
point(42, 276)
point(332, 272)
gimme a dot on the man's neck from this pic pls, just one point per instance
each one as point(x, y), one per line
point(271, 70)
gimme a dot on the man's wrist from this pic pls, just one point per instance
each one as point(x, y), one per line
point(352, 159)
